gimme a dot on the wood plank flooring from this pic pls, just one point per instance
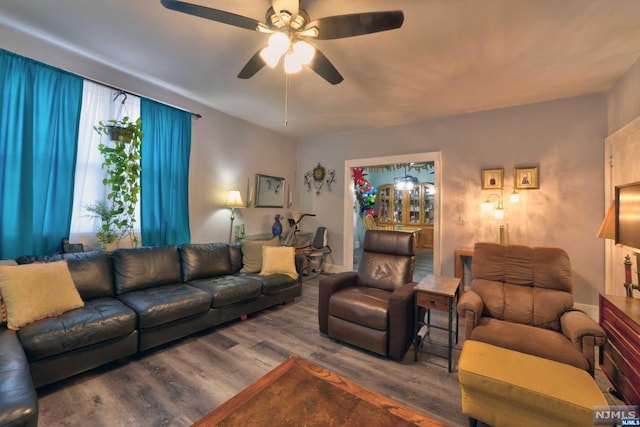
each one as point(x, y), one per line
point(178, 384)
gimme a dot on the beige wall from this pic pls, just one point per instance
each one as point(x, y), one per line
point(565, 138)
point(225, 151)
point(623, 101)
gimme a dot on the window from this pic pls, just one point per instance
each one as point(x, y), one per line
point(98, 103)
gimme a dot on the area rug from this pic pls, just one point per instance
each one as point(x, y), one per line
point(299, 393)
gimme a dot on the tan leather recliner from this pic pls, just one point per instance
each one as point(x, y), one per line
point(374, 307)
point(521, 299)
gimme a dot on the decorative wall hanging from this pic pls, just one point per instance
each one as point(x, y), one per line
point(492, 179)
point(526, 178)
point(318, 177)
point(269, 191)
point(428, 167)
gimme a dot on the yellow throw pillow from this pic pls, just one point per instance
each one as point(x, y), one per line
point(33, 292)
point(279, 260)
point(252, 254)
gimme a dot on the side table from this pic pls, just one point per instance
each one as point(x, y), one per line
point(438, 293)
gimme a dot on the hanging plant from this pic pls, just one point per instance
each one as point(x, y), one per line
point(121, 163)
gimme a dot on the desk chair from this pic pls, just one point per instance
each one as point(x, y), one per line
point(317, 251)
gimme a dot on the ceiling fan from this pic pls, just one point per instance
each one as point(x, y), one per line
point(289, 26)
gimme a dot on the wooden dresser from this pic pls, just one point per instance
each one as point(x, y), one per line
point(620, 356)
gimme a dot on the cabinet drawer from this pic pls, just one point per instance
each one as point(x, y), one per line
point(437, 302)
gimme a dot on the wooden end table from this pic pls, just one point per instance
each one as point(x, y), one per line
point(438, 293)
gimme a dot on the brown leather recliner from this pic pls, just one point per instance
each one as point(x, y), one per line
point(521, 299)
point(373, 308)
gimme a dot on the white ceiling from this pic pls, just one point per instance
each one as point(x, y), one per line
point(449, 57)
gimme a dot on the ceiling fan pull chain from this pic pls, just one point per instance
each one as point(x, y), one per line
point(286, 99)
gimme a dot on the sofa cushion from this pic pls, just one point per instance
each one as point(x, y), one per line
point(235, 254)
point(529, 305)
point(529, 339)
point(522, 265)
point(101, 319)
point(35, 291)
point(361, 305)
point(204, 260)
point(227, 290)
point(276, 283)
point(252, 254)
point(91, 273)
point(18, 399)
point(165, 304)
point(279, 260)
point(140, 268)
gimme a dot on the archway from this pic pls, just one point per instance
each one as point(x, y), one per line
point(349, 212)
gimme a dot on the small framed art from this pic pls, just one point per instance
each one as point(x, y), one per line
point(492, 179)
point(526, 178)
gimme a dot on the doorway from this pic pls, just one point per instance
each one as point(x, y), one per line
point(351, 213)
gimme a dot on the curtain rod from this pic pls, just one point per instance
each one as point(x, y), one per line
point(126, 92)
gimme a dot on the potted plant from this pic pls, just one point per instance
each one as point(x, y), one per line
point(121, 162)
point(108, 235)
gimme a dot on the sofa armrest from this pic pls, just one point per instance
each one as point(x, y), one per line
point(300, 260)
point(401, 320)
point(584, 332)
point(18, 400)
point(327, 286)
point(470, 306)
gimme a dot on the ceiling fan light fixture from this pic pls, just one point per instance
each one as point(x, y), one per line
point(279, 42)
point(309, 32)
point(291, 64)
point(263, 28)
point(303, 52)
point(270, 56)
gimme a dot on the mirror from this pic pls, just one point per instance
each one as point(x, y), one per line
point(269, 191)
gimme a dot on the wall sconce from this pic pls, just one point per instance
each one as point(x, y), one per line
point(318, 177)
point(498, 209)
point(234, 200)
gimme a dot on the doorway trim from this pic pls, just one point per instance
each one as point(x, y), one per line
point(350, 200)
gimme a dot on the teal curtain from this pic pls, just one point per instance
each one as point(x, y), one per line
point(164, 197)
point(39, 117)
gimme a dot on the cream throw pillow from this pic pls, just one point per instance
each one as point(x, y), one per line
point(279, 260)
point(252, 254)
point(35, 291)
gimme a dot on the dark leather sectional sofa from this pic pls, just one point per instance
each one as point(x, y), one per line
point(135, 299)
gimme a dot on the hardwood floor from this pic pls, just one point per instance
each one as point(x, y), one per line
point(178, 384)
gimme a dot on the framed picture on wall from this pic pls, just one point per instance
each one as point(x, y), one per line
point(269, 191)
point(526, 178)
point(492, 179)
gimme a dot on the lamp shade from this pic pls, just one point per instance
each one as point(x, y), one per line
point(608, 226)
point(234, 200)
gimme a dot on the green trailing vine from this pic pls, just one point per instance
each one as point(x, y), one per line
point(121, 163)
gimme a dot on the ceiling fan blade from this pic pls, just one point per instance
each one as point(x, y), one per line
point(254, 65)
point(212, 14)
point(290, 6)
point(356, 24)
point(321, 65)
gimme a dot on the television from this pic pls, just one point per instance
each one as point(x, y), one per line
point(628, 215)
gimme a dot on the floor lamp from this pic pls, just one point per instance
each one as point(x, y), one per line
point(233, 201)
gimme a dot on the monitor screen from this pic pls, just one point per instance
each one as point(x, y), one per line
point(628, 215)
